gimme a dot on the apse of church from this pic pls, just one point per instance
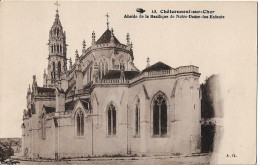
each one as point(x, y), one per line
point(103, 105)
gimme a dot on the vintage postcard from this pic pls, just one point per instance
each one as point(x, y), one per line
point(128, 82)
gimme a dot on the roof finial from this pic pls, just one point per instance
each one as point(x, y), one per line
point(112, 39)
point(76, 53)
point(107, 21)
point(57, 4)
point(148, 60)
point(93, 38)
point(112, 32)
point(84, 44)
point(131, 45)
point(127, 39)
point(70, 63)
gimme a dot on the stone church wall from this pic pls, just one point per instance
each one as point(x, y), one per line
point(184, 126)
point(110, 144)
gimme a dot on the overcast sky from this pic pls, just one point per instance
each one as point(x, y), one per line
point(217, 46)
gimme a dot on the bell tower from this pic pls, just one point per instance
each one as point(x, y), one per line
point(57, 59)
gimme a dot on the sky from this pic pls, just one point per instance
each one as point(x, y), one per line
point(217, 46)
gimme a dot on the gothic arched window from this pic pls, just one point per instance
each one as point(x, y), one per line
point(106, 67)
point(103, 69)
point(111, 115)
point(122, 65)
point(137, 117)
point(59, 69)
point(100, 68)
point(80, 123)
point(43, 127)
point(113, 63)
point(53, 69)
point(159, 115)
point(90, 74)
point(87, 76)
point(60, 48)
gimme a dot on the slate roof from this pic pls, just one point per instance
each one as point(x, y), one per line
point(105, 38)
point(86, 103)
point(157, 67)
point(49, 109)
point(115, 74)
point(45, 90)
point(70, 105)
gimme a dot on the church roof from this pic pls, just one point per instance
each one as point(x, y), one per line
point(85, 103)
point(157, 67)
point(115, 74)
point(70, 105)
point(105, 38)
point(49, 109)
point(45, 90)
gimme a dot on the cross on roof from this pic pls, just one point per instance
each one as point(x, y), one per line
point(57, 4)
point(107, 20)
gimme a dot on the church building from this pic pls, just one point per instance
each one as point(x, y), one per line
point(103, 105)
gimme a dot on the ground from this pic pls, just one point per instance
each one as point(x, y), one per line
point(163, 160)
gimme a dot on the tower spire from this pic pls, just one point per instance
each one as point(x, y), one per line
point(107, 21)
point(57, 61)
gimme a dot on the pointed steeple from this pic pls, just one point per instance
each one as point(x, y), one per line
point(70, 63)
point(127, 39)
point(148, 62)
point(77, 55)
point(77, 62)
point(34, 81)
point(57, 64)
point(84, 44)
point(57, 19)
point(93, 38)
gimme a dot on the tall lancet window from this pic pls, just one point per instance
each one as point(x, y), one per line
point(90, 74)
point(103, 69)
point(80, 123)
point(100, 68)
point(53, 69)
point(159, 115)
point(43, 127)
point(106, 67)
point(137, 117)
point(59, 69)
point(111, 115)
